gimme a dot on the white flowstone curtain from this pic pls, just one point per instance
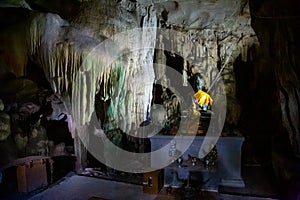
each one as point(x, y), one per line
point(75, 67)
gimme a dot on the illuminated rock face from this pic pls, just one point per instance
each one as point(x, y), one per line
point(209, 36)
point(216, 33)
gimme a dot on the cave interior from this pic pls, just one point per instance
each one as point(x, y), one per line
point(131, 63)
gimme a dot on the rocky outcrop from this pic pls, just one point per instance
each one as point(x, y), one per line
point(20, 90)
point(7, 146)
point(14, 4)
point(4, 123)
point(38, 141)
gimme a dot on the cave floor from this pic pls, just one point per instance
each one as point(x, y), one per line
point(259, 182)
point(77, 187)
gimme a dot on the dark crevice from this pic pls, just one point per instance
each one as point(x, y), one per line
point(142, 21)
point(298, 106)
point(287, 111)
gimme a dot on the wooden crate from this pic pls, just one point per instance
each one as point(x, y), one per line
point(153, 182)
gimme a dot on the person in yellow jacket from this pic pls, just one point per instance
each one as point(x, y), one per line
point(203, 99)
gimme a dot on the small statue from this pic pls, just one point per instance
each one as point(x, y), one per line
point(211, 158)
point(199, 83)
point(180, 161)
point(204, 100)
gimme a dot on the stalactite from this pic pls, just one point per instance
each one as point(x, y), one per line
point(184, 74)
point(57, 62)
point(160, 58)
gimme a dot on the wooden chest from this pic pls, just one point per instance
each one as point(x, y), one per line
point(153, 182)
point(33, 174)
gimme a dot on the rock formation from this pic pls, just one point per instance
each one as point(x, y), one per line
point(209, 40)
point(4, 123)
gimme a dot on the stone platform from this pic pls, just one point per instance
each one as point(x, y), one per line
point(229, 154)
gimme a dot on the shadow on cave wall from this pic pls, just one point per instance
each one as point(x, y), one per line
point(268, 90)
point(255, 89)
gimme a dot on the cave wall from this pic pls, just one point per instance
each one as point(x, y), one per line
point(275, 88)
point(278, 61)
